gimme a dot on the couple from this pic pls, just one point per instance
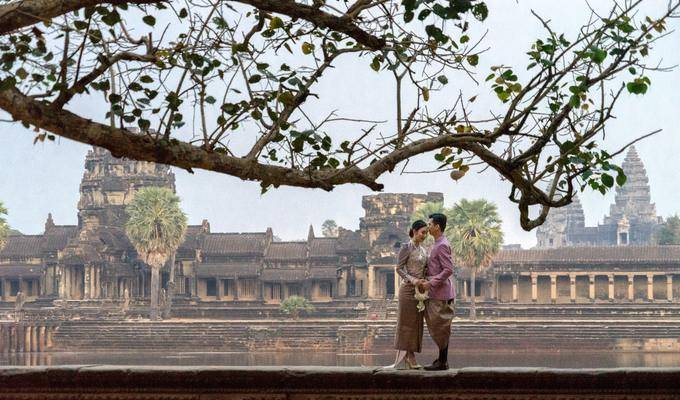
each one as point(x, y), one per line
point(430, 277)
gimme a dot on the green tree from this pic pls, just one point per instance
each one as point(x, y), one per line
point(474, 231)
point(295, 305)
point(4, 227)
point(669, 232)
point(262, 65)
point(156, 227)
point(329, 228)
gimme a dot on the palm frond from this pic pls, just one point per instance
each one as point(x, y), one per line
point(156, 224)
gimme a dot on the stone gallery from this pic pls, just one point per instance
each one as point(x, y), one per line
point(612, 262)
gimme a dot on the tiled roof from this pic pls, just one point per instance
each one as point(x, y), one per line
point(602, 254)
point(234, 243)
point(322, 247)
point(191, 238)
point(22, 246)
point(227, 269)
point(24, 270)
point(56, 237)
point(323, 273)
point(287, 251)
point(283, 275)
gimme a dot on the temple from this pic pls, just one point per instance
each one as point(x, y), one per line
point(614, 262)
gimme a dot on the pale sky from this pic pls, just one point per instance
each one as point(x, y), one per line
point(35, 180)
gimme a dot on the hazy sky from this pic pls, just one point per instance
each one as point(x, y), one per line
point(35, 180)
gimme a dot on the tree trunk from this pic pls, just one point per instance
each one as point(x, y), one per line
point(473, 278)
point(155, 290)
point(170, 290)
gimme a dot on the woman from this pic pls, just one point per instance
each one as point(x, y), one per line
point(411, 265)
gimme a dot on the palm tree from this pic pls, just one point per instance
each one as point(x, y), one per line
point(4, 227)
point(474, 231)
point(156, 228)
point(425, 210)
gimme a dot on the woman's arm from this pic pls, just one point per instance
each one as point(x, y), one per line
point(402, 261)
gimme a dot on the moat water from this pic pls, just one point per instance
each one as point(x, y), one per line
point(299, 358)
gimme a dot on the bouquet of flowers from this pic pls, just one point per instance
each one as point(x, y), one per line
point(421, 297)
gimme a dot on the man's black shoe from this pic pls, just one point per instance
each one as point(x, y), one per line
point(437, 366)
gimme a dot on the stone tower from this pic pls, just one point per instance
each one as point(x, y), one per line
point(632, 218)
point(109, 184)
point(387, 219)
point(561, 226)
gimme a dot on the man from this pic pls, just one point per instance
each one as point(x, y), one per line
point(438, 308)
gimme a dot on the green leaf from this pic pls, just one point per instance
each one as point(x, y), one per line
point(607, 180)
point(307, 48)
point(598, 55)
point(480, 11)
point(375, 64)
point(638, 86)
point(443, 79)
point(464, 39)
point(621, 178)
point(111, 18)
point(210, 100)
point(146, 79)
point(575, 101)
point(183, 13)
point(473, 59)
point(275, 23)
point(255, 78)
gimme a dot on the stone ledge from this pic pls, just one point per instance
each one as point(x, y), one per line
point(121, 382)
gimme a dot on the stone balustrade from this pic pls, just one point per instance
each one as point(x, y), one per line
point(330, 383)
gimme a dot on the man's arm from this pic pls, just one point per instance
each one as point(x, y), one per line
point(444, 257)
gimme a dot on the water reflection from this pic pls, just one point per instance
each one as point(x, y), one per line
point(456, 359)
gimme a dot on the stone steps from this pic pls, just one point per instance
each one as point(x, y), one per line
point(327, 336)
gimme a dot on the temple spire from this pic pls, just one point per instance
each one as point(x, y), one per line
point(633, 199)
point(310, 235)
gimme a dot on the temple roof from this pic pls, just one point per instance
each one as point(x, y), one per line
point(323, 247)
point(283, 275)
point(57, 236)
point(599, 254)
point(287, 251)
point(235, 243)
point(23, 246)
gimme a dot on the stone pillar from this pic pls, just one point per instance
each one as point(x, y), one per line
point(98, 282)
point(534, 287)
point(27, 339)
point(48, 338)
point(220, 288)
point(87, 290)
point(611, 287)
point(41, 339)
point(3, 282)
point(650, 287)
point(572, 288)
point(13, 338)
point(236, 288)
point(34, 339)
point(371, 282)
point(553, 288)
point(631, 287)
point(591, 287)
point(515, 278)
point(465, 289)
point(669, 287)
